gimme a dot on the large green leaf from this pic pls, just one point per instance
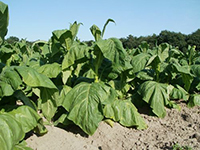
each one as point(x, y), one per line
point(22, 146)
point(194, 100)
point(196, 70)
point(124, 112)
point(48, 102)
point(113, 50)
point(84, 105)
point(64, 37)
point(4, 18)
point(156, 95)
point(139, 62)
point(27, 117)
point(10, 76)
point(179, 93)
point(34, 79)
point(11, 131)
point(5, 89)
point(76, 52)
point(50, 70)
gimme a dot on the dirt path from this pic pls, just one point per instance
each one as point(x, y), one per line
point(182, 127)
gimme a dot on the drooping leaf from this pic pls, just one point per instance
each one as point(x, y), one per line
point(10, 76)
point(22, 146)
point(64, 37)
point(50, 70)
point(5, 89)
point(27, 117)
point(179, 93)
point(125, 113)
point(113, 50)
point(156, 95)
point(194, 100)
point(139, 62)
point(48, 102)
point(4, 18)
point(34, 79)
point(84, 105)
point(104, 27)
point(196, 70)
point(77, 52)
point(11, 131)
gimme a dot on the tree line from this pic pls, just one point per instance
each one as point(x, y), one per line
point(175, 39)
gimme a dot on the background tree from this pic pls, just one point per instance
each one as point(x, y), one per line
point(12, 39)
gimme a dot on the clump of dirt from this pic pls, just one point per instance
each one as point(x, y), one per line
point(182, 127)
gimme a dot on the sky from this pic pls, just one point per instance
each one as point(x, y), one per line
point(37, 19)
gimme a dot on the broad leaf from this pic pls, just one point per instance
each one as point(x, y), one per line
point(64, 37)
point(10, 76)
point(50, 70)
point(139, 62)
point(84, 105)
point(77, 52)
point(179, 93)
point(194, 100)
point(34, 79)
point(11, 131)
point(3, 21)
point(156, 95)
point(5, 89)
point(48, 102)
point(28, 118)
point(124, 112)
point(113, 50)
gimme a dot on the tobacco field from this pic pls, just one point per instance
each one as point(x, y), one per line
point(64, 81)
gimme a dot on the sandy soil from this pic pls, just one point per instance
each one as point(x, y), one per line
point(182, 127)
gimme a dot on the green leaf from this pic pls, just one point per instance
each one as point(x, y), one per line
point(10, 76)
point(27, 117)
point(194, 100)
point(139, 62)
point(113, 50)
point(64, 37)
point(49, 104)
point(96, 32)
point(5, 89)
point(50, 70)
point(125, 113)
point(11, 131)
point(74, 29)
point(179, 93)
point(84, 105)
point(34, 79)
point(77, 52)
point(22, 146)
point(156, 95)
point(196, 70)
point(104, 27)
point(4, 18)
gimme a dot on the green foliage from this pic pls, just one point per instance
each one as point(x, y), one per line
point(3, 21)
point(69, 82)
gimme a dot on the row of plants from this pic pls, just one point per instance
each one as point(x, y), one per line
point(64, 81)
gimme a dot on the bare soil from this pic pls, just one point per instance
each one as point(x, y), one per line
point(181, 127)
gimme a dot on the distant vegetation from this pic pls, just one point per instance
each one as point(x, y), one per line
point(182, 41)
point(175, 39)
